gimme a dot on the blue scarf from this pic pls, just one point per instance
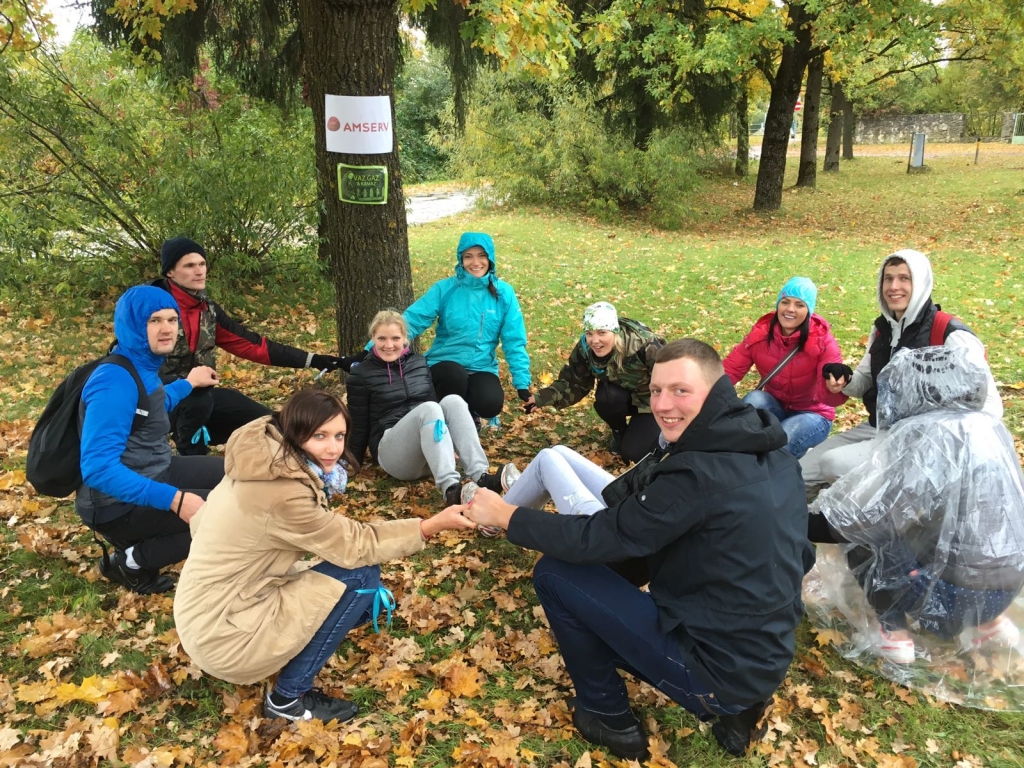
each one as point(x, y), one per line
point(334, 481)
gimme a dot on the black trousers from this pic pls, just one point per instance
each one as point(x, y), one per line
point(482, 391)
point(614, 404)
point(159, 536)
point(219, 409)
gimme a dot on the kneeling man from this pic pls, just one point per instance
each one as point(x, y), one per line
point(719, 514)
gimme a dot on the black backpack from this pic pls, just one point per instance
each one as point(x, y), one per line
point(55, 448)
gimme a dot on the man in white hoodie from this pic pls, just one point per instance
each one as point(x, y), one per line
point(907, 320)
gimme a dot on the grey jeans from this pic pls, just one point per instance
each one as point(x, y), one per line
point(827, 462)
point(424, 443)
point(561, 474)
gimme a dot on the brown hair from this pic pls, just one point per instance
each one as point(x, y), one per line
point(303, 414)
point(704, 355)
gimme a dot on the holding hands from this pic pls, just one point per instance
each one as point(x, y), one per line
point(488, 509)
point(837, 376)
point(449, 519)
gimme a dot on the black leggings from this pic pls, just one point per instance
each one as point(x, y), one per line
point(219, 409)
point(614, 404)
point(159, 536)
point(482, 390)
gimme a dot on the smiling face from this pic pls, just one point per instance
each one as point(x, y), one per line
point(389, 341)
point(678, 391)
point(162, 331)
point(474, 261)
point(897, 287)
point(327, 444)
point(601, 342)
point(189, 272)
point(791, 313)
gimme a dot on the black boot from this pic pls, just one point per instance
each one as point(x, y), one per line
point(453, 495)
point(629, 743)
point(615, 446)
point(736, 732)
point(141, 580)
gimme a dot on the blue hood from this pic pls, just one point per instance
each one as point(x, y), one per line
point(131, 319)
point(467, 241)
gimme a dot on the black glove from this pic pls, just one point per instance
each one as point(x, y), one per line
point(524, 394)
point(348, 362)
point(837, 371)
point(529, 407)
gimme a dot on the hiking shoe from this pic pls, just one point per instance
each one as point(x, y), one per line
point(628, 744)
point(894, 649)
point(735, 733)
point(141, 580)
point(1003, 633)
point(468, 492)
point(490, 482)
point(509, 474)
point(314, 704)
point(452, 495)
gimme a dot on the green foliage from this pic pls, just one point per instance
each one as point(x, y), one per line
point(100, 163)
point(546, 144)
point(423, 108)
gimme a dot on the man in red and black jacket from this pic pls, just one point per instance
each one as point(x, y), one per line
point(208, 417)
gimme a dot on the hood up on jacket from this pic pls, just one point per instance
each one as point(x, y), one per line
point(726, 424)
point(921, 275)
point(467, 241)
point(256, 452)
point(131, 324)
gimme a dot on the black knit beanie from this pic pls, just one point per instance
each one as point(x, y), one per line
point(173, 250)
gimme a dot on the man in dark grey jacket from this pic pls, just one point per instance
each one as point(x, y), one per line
point(718, 514)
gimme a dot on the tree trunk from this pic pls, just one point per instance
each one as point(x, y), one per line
point(808, 175)
point(786, 84)
point(743, 132)
point(835, 129)
point(849, 127)
point(349, 49)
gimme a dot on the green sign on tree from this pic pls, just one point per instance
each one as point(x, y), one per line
point(363, 184)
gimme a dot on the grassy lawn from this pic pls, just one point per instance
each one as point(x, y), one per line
point(468, 674)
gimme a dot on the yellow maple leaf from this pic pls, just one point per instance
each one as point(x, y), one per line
point(825, 636)
point(435, 701)
point(462, 680)
point(93, 689)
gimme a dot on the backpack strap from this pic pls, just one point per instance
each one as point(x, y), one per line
point(939, 325)
point(142, 406)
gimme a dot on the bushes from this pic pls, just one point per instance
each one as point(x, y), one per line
point(548, 145)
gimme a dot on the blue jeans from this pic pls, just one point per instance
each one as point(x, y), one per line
point(352, 610)
point(804, 429)
point(604, 624)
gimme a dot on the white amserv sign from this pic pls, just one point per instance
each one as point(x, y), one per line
point(359, 125)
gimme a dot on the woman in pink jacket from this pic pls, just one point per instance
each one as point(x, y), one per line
point(799, 395)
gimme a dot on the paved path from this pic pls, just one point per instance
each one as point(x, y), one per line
point(419, 209)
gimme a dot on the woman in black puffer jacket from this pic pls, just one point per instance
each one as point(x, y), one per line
point(395, 414)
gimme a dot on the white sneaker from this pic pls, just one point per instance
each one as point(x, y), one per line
point(509, 474)
point(1002, 634)
point(895, 650)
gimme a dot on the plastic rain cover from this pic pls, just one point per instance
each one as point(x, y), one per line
point(935, 521)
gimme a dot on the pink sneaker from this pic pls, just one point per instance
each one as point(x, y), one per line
point(895, 650)
point(1003, 633)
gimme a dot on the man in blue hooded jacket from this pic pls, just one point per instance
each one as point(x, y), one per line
point(134, 493)
point(475, 311)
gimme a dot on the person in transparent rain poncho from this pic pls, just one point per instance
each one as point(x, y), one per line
point(933, 521)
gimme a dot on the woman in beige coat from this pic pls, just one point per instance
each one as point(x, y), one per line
point(246, 607)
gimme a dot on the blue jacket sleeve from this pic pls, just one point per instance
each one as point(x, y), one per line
point(513, 343)
point(110, 396)
point(422, 313)
point(175, 392)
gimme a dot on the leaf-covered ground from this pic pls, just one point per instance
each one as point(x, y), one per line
point(469, 675)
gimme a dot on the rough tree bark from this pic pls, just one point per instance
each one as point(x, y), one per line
point(808, 174)
point(849, 128)
point(786, 82)
point(349, 50)
point(835, 129)
point(743, 132)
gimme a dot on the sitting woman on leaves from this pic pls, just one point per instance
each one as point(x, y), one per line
point(798, 347)
point(246, 607)
point(396, 415)
point(617, 353)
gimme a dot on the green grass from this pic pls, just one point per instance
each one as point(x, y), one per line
point(469, 600)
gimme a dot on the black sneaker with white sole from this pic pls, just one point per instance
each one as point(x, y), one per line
point(314, 704)
point(141, 580)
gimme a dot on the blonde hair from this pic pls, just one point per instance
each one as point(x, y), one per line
point(389, 317)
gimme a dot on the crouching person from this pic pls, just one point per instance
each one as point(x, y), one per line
point(134, 493)
point(721, 519)
point(246, 608)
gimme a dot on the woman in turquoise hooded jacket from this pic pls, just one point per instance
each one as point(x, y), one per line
point(475, 311)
